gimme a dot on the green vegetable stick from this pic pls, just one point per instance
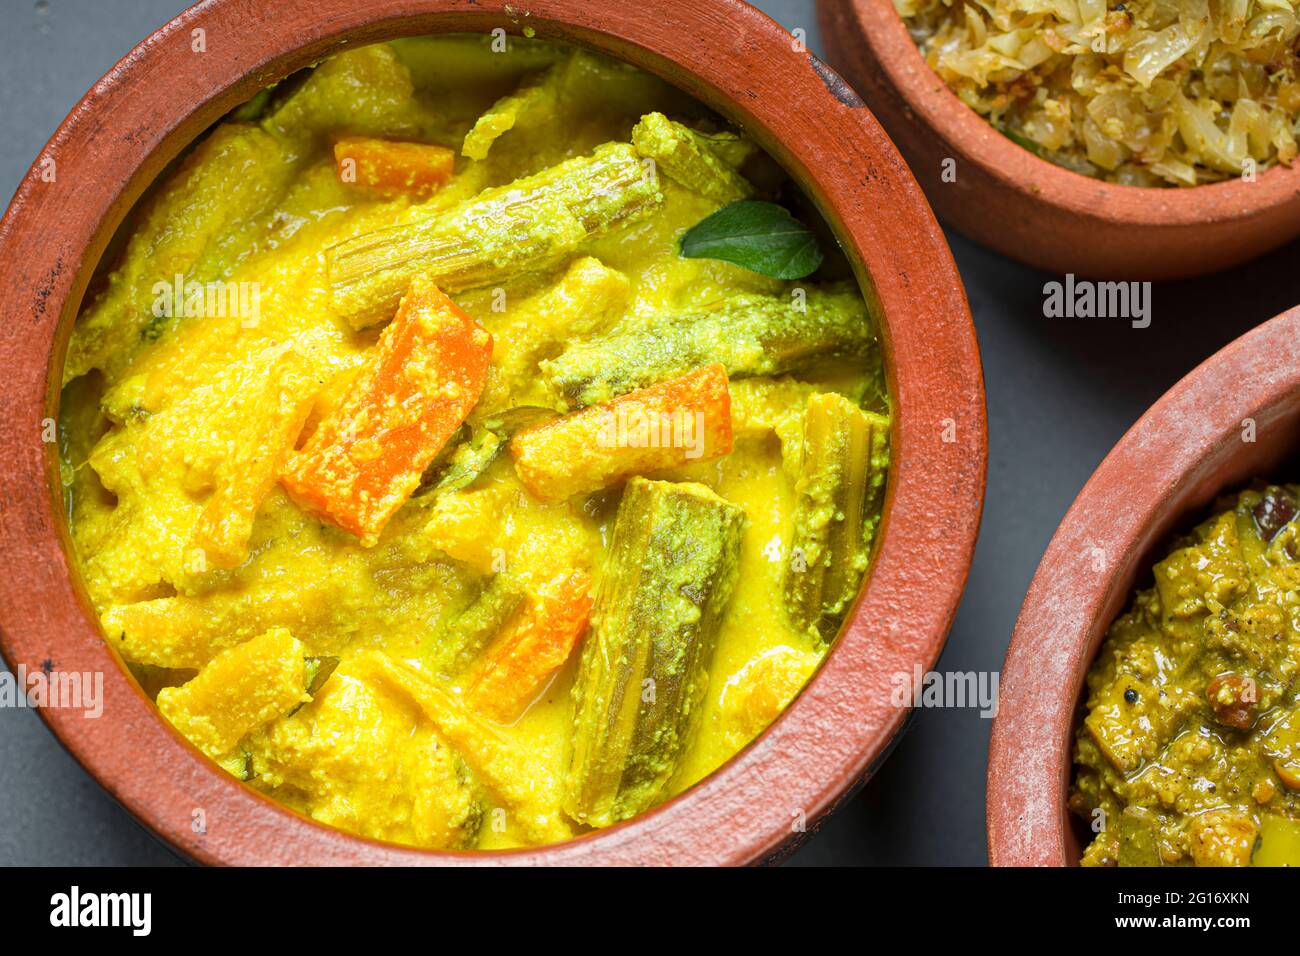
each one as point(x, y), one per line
point(456, 645)
point(643, 674)
point(686, 157)
point(840, 490)
point(749, 334)
point(529, 225)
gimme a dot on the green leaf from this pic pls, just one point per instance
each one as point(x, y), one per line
point(759, 236)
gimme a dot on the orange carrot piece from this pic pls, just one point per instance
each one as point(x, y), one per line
point(682, 420)
point(418, 384)
point(392, 167)
point(533, 648)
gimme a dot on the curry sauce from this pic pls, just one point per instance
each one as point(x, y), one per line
point(1189, 753)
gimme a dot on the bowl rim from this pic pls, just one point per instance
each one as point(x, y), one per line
point(1017, 169)
point(160, 97)
point(1155, 477)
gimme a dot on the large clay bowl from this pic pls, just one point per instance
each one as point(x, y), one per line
point(1192, 445)
point(1030, 209)
point(162, 95)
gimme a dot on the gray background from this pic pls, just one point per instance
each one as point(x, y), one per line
point(1060, 393)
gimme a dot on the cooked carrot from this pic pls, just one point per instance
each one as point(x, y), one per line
point(683, 420)
point(392, 167)
point(418, 384)
point(522, 659)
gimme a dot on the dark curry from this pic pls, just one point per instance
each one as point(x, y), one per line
point(1190, 749)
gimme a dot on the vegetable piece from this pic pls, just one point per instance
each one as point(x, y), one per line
point(529, 225)
point(239, 690)
point(763, 406)
point(469, 460)
point(759, 236)
point(524, 785)
point(332, 593)
point(1276, 509)
point(536, 96)
point(509, 421)
point(254, 108)
point(366, 91)
point(686, 419)
point(643, 675)
point(1234, 699)
point(1224, 837)
point(239, 764)
point(756, 694)
point(393, 168)
point(840, 490)
point(422, 379)
point(360, 758)
point(687, 158)
point(749, 334)
point(587, 298)
point(274, 411)
point(457, 645)
point(475, 455)
point(1131, 720)
point(1279, 842)
point(194, 227)
point(1139, 838)
point(1281, 745)
point(319, 670)
point(444, 64)
point(521, 662)
point(733, 150)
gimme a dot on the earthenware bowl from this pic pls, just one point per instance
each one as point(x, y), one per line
point(163, 94)
point(1235, 417)
point(1028, 208)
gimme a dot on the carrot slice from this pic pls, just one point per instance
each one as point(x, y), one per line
point(393, 167)
point(520, 661)
point(418, 384)
point(682, 420)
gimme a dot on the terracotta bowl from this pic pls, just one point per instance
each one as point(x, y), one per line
point(162, 95)
point(1188, 448)
point(1032, 210)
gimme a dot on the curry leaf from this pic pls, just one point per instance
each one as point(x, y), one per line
point(759, 236)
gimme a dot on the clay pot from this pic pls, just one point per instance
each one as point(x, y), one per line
point(1030, 209)
point(162, 95)
point(1235, 417)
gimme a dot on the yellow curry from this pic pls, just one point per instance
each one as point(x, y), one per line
point(426, 484)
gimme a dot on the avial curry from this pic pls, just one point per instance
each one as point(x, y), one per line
point(424, 483)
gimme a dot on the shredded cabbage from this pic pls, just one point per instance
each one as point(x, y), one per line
point(1143, 92)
